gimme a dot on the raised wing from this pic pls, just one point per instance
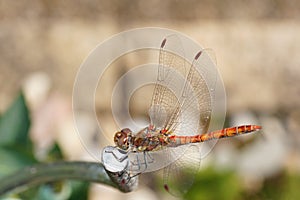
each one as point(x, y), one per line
point(170, 82)
point(183, 95)
point(194, 118)
point(197, 96)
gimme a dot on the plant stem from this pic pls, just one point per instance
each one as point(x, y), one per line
point(48, 172)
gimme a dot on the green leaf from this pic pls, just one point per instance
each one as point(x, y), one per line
point(13, 159)
point(54, 191)
point(14, 124)
point(79, 190)
point(212, 185)
point(54, 154)
point(71, 190)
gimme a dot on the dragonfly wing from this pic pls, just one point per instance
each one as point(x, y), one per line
point(197, 98)
point(179, 176)
point(170, 80)
point(184, 93)
point(149, 161)
point(183, 97)
point(194, 118)
point(203, 78)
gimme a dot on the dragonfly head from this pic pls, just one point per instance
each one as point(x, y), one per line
point(122, 138)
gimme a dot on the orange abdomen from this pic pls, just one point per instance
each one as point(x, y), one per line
point(227, 132)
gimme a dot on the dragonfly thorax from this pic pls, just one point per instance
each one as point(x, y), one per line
point(122, 138)
point(147, 139)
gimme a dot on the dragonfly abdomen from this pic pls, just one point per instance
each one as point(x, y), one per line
point(176, 140)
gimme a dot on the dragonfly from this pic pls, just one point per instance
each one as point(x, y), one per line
point(180, 115)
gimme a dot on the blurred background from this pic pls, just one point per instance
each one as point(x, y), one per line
point(256, 43)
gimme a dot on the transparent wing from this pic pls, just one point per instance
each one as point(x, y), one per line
point(194, 118)
point(170, 81)
point(197, 98)
point(179, 176)
point(184, 93)
point(203, 81)
point(149, 161)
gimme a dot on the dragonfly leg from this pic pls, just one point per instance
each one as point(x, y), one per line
point(151, 159)
point(140, 163)
point(132, 176)
point(118, 158)
point(145, 160)
point(136, 163)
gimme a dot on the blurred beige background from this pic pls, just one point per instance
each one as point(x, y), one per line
point(256, 44)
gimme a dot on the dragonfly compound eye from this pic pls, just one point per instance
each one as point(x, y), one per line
point(121, 140)
point(126, 130)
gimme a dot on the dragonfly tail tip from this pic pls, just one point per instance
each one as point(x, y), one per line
point(257, 127)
